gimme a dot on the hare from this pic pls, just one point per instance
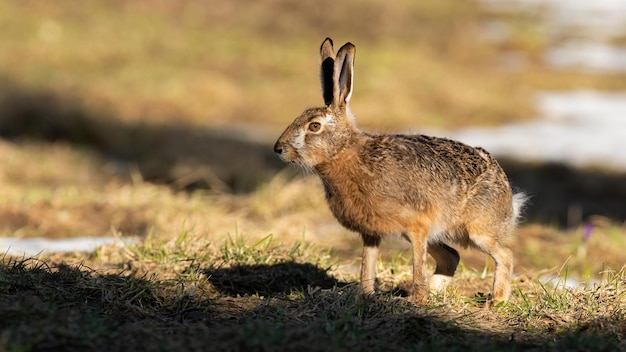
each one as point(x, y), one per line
point(433, 191)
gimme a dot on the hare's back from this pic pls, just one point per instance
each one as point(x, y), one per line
point(429, 157)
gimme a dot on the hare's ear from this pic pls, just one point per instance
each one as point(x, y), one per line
point(327, 54)
point(343, 75)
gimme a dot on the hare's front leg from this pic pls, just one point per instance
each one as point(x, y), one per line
point(419, 242)
point(368, 262)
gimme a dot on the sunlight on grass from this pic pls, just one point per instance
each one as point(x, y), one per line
point(263, 284)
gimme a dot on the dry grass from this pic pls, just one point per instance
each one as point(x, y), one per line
point(214, 63)
point(208, 275)
point(205, 275)
point(192, 293)
point(55, 190)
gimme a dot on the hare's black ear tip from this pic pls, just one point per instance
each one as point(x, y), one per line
point(348, 47)
point(328, 40)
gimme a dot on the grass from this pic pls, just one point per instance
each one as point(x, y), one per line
point(239, 295)
point(270, 269)
point(213, 64)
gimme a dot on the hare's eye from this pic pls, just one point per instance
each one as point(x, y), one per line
point(315, 126)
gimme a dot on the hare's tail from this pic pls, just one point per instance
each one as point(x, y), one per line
point(519, 203)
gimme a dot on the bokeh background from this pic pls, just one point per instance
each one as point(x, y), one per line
point(156, 118)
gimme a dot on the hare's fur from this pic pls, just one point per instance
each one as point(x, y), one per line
point(433, 191)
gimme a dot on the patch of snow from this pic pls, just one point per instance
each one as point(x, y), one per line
point(34, 246)
point(597, 19)
point(587, 57)
point(581, 31)
point(582, 128)
point(567, 283)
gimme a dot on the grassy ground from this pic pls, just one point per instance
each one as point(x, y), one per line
point(125, 119)
point(213, 63)
point(193, 294)
point(268, 270)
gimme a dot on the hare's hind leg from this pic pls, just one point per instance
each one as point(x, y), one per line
point(504, 271)
point(503, 257)
point(447, 259)
point(368, 262)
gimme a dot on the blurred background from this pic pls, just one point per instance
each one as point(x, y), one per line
point(154, 118)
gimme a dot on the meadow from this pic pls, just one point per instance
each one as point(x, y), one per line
point(153, 123)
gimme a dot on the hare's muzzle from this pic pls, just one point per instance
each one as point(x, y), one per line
point(282, 152)
point(278, 148)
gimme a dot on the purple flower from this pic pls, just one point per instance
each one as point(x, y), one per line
point(587, 232)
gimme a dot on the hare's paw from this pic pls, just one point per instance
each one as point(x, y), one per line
point(438, 282)
point(418, 294)
point(418, 298)
point(501, 291)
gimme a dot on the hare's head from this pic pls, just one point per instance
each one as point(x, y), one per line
point(318, 134)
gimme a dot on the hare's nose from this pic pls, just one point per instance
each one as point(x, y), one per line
point(278, 148)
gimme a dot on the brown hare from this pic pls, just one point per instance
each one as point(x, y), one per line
point(433, 191)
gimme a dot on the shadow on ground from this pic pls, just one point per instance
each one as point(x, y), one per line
point(189, 158)
point(269, 280)
point(52, 306)
point(568, 196)
point(183, 156)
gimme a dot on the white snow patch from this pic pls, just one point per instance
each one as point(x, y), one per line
point(597, 19)
point(588, 57)
point(583, 33)
point(567, 283)
point(34, 246)
point(582, 128)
